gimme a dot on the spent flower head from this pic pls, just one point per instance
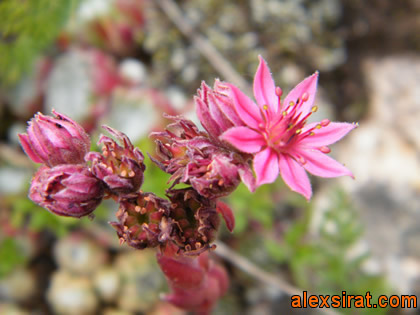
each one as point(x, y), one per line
point(120, 167)
point(277, 134)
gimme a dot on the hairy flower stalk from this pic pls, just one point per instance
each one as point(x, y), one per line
point(55, 140)
point(120, 167)
point(66, 190)
point(278, 136)
point(193, 158)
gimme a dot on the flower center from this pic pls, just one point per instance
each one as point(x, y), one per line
point(286, 128)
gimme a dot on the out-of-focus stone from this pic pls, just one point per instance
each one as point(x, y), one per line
point(383, 154)
point(107, 283)
point(394, 84)
point(71, 295)
point(142, 281)
point(18, 286)
point(11, 309)
point(78, 254)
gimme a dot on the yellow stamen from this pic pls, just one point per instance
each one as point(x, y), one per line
point(265, 107)
point(314, 109)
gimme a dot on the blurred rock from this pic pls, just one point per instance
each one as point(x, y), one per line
point(78, 254)
point(142, 281)
point(107, 283)
point(384, 155)
point(71, 295)
point(11, 309)
point(18, 286)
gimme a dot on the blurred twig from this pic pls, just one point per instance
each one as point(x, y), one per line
point(203, 45)
point(245, 265)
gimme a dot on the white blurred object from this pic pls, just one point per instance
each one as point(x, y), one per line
point(79, 255)
point(71, 295)
point(133, 71)
point(69, 86)
point(18, 286)
point(107, 283)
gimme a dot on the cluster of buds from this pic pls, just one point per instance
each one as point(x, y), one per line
point(63, 184)
point(192, 157)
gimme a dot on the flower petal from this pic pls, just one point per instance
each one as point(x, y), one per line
point(308, 85)
point(294, 176)
point(266, 166)
point(205, 118)
point(247, 110)
point(244, 139)
point(264, 87)
point(326, 135)
point(320, 164)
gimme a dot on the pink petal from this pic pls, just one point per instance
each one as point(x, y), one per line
point(266, 166)
point(244, 139)
point(24, 141)
point(308, 85)
point(247, 110)
point(264, 87)
point(320, 164)
point(205, 118)
point(294, 176)
point(216, 113)
point(326, 135)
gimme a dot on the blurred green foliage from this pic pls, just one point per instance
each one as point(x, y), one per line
point(323, 263)
point(26, 214)
point(27, 27)
point(10, 256)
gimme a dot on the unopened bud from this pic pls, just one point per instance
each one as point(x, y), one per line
point(66, 190)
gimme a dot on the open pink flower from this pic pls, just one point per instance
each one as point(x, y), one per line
point(277, 134)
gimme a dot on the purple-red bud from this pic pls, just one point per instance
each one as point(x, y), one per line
point(66, 190)
point(55, 140)
point(120, 167)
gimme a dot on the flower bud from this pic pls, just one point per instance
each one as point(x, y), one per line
point(67, 190)
point(215, 109)
point(55, 141)
point(142, 220)
point(120, 167)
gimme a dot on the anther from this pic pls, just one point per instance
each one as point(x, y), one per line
point(305, 97)
point(291, 103)
point(279, 92)
point(284, 113)
point(318, 126)
point(312, 133)
point(265, 107)
point(314, 109)
point(298, 131)
point(325, 122)
point(324, 149)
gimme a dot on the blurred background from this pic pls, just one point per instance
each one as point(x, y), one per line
point(124, 62)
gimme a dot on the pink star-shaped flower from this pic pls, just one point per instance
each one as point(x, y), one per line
point(277, 135)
